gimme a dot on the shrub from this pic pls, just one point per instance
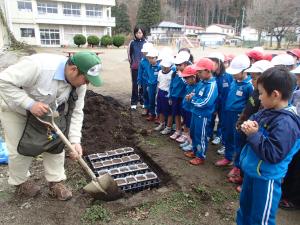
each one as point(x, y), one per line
point(79, 39)
point(118, 40)
point(93, 40)
point(106, 40)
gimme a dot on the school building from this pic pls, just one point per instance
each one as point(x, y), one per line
point(55, 22)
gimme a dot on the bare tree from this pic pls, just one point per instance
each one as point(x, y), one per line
point(274, 16)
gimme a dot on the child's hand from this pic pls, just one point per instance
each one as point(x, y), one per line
point(189, 96)
point(249, 127)
point(170, 102)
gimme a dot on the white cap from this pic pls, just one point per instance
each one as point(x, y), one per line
point(165, 52)
point(296, 71)
point(153, 52)
point(182, 57)
point(146, 47)
point(238, 64)
point(217, 55)
point(167, 61)
point(260, 49)
point(259, 66)
point(283, 59)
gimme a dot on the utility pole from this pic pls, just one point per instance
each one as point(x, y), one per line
point(243, 15)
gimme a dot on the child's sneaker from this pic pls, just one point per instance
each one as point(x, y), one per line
point(234, 172)
point(236, 180)
point(145, 112)
point(221, 151)
point(189, 154)
point(197, 161)
point(167, 130)
point(157, 121)
point(160, 127)
point(133, 107)
point(181, 139)
point(175, 135)
point(216, 141)
point(223, 162)
point(187, 148)
point(184, 144)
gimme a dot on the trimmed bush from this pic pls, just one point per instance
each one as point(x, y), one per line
point(79, 39)
point(93, 40)
point(118, 40)
point(106, 40)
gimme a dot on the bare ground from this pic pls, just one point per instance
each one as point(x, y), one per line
point(188, 195)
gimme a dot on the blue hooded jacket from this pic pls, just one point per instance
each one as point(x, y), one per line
point(186, 105)
point(142, 72)
point(270, 150)
point(153, 73)
point(204, 100)
point(177, 86)
point(134, 54)
point(238, 95)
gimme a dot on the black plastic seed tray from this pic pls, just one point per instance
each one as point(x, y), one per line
point(125, 171)
point(112, 154)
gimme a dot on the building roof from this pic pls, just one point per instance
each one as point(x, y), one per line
point(168, 24)
point(222, 26)
point(194, 27)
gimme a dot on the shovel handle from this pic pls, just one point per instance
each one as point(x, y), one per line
point(68, 144)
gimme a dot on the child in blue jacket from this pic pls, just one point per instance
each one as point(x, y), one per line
point(143, 76)
point(239, 93)
point(152, 71)
point(203, 101)
point(273, 138)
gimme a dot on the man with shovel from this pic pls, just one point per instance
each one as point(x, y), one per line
point(28, 89)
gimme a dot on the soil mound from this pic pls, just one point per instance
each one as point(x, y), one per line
point(107, 124)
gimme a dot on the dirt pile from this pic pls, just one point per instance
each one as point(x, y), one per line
point(106, 125)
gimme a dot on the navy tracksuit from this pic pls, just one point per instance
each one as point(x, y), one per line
point(152, 86)
point(142, 80)
point(206, 93)
point(237, 98)
point(176, 93)
point(264, 161)
point(187, 106)
point(223, 82)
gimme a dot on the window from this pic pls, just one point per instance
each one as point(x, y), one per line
point(47, 7)
point(25, 6)
point(27, 32)
point(71, 9)
point(93, 10)
point(49, 36)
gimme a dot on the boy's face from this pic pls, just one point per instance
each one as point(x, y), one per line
point(240, 76)
point(165, 69)
point(145, 53)
point(254, 77)
point(152, 60)
point(190, 80)
point(180, 67)
point(268, 101)
point(204, 74)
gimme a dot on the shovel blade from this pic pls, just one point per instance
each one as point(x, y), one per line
point(103, 188)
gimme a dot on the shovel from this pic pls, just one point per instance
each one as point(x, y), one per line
point(103, 187)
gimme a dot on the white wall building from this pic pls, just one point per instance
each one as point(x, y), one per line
point(220, 28)
point(251, 34)
point(55, 22)
point(192, 30)
point(166, 29)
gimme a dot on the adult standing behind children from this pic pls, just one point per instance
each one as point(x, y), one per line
point(134, 57)
point(30, 88)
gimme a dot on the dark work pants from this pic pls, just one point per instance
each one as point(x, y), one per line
point(136, 92)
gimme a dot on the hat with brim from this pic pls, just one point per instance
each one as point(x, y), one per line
point(188, 71)
point(238, 64)
point(259, 66)
point(203, 64)
point(89, 64)
point(296, 71)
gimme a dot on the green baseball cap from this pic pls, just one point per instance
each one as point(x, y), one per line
point(89, 64)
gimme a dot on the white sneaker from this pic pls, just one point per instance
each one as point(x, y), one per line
point(187, 148)
point(167, 130)
point(221, 151)
point(216, 141)
point(160, 127)
point(133, 107)
point(184, 144)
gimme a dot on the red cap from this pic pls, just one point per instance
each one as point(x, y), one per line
point(268, 56)
point(295, 52)
point(188, 71)
point(204, 64)
point(229, 57)
point(254, 54)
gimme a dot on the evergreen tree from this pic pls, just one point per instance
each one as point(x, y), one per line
point(120, 12)
point(148, 14)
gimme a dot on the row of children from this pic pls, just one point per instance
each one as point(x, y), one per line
point(199, 92)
